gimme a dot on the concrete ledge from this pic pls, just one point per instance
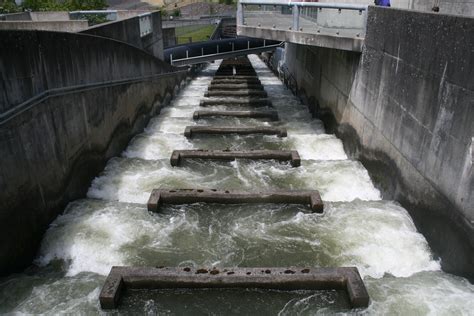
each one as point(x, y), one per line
point(300, 37)
point(235, 81)
point(190, 131)
point(236, 93)
point(280, 155)
point(272, 115)
point(189, 196)
point(264, 278)
point(233, 77)
point(235, 86)
point(239, 101)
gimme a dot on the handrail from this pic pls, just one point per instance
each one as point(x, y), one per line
point(322, 5)
point(20, 108)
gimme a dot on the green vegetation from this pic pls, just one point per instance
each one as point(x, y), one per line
point(197, 33)
point(9, 6)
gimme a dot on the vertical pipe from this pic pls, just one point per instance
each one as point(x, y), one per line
point(296, 18)
point(264, 43)
point(171, 59)
point(202, 51)
point(187, 54)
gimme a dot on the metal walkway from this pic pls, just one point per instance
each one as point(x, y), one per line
point(218, 49)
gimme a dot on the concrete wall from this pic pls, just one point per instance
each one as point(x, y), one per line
point(33, 62)
point(405, 108)
point(128, 31)
point(53, 145)
point(60, 26)
point(459, 7)
point(169, 37)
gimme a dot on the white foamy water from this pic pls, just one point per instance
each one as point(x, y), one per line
point(357, 228)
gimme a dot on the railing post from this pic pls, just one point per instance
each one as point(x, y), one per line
point(218, 49)
point(171, 59)
point(296, 18)
point(240, 14)
point(248, 44)
point(187, 54)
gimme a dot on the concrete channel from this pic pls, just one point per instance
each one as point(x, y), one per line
point(235, 71)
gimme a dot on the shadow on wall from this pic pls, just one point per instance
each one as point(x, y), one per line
point(65, 111)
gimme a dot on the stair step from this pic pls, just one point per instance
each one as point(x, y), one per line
point(272, 115)
point(189, 196)
point(280, 155)
point(278, 278)
point(190, 131)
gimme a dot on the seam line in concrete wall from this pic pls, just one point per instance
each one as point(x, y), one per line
point(39, 98)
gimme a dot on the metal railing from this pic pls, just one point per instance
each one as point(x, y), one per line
point(336, 19)
point(220, 51)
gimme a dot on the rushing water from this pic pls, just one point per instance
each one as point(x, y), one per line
point(113, 227)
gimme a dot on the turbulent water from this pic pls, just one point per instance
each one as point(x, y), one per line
point(112, 226)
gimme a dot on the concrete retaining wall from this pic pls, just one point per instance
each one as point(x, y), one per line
point(33, 61)
point(53, 145)
point(459, 7)
point(128, 31)
point(60, 26)
point(405, 108)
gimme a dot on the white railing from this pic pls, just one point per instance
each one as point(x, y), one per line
point(337, 19)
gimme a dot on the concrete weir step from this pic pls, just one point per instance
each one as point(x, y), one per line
point(236, 86)
point(189, 196)
point(272, 115)
point(236, 101)
point(235, 79)
point(280, 155)
point(236, 93)
point(278, 278)
point(190, 131)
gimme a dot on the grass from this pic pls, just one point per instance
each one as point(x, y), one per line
point(198, 33)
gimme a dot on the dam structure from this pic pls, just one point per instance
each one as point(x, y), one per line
point(321, 165)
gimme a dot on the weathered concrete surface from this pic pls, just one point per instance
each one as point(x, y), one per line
point(233, 93)
point(236, 101)
point(128, 31)
point(405, 109)
point(59, 26)
point(52, 146)
point(29, 63)
point(305, 38)
point(236, 77)
point(272, 115)
point(236, 86)
point(229, 80)
point(185, 196)
point(281, 155)
point(291, 278)
point(191, 131)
